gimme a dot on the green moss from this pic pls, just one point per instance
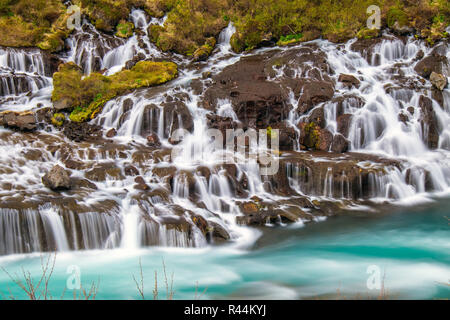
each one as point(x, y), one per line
point(33, 23)
point(204, 51)
point(312, 136)
point(289, 39)
point(58, 119)
point(270, 133)
point(86, 97)
point(396, 15)
point(190, 24)
point(368, 33)
point(125, 29)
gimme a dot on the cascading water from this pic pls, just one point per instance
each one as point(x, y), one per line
point(25, 80)
point(194, 187)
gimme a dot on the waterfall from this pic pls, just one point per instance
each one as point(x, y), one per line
point(192, 195)
point(25, 78)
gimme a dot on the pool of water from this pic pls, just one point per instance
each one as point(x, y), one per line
point(408, 248)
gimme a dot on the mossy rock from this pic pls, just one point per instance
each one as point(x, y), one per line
point(290, 39)
point(125, 29)
point(190, 23)
point(396, 15)
point(204, 51)
point(33, 23)
point(58, 119)
point(86, 97)
point(368, 33)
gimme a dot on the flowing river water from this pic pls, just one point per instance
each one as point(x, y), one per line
point(391, 190)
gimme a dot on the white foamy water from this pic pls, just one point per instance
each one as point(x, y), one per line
point(134, 223)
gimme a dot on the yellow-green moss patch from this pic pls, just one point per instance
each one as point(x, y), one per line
point(86, 97)
point(33, 23)
point(58, 119)
point(125, 29)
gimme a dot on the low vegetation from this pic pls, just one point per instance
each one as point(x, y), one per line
point(33, 23)
point(85, 97)
point(191, 24)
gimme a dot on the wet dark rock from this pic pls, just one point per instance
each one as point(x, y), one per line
point(131, 63)
point(257, 102)
point(349, 81)
point(33, 155)
point(403, 117)
point(318, 117)
point(217, 231)
point(22, 121)
point(341, 172)
point(103, 171)
point(343, 102)
point(315, 92)
point(432, 63)
point(111, 133)
point(366, 48)
point(287, 135)
point(141, 186)
point(419, 56)
point(340, 144)
point(73, 164)
point(197, 86)
point(131, 171)
point(44, 115)
point(57, 179)
point(82, 131)
point(313, 137)
point(153, 141)
point(343, 124)
point(84, 183)
point(429, 122)
point(220, 123)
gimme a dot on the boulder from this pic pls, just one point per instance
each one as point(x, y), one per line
point(315, 92)
point(343, 124)
point(153, 141)
point(318, 117)
point(438, 80)
point(23, 121)
point(57, 179)
point(286, 135)
point(349, 81)
point(313, 137)
point(82, 131)
point(131, 171)
point(340, 144)
point(433, 63)
point(111, 133)
point(429, 122)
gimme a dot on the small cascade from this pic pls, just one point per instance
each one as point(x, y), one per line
point(88, 47)
point(25, 77)
point(95, 51)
